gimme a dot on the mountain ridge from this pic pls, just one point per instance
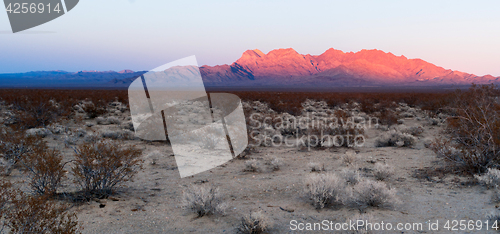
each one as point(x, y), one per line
point(283, 68)
point(365, 67)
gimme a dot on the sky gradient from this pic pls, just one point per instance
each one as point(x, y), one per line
point(144, 34)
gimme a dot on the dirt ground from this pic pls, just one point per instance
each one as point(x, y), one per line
point(151, 203)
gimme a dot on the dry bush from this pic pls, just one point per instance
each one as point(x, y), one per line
point(32, 114)
point(249, 150)
point(252, 165)
point(92, 137)
point(383, 171)
point(275, 163)
point(20, 213)
point(491, 178)
point(204, 200)
point(70, 140)
point(375, 194)
point(387, 117)
point(316, 167)
point(324, 189)
point(255, 223)
point(100, 167)
point(495, 197)
point(208, 141)
point(45, 169)
point(5, 197)
point(474, 129)
point(349, 157)
point(94, 110)
point(350, 176)
point(395, 138)
point(38, 215)
point(41, 132)
point(14, 145)
point(415, 131)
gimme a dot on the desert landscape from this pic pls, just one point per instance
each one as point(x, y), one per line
point(70, 161)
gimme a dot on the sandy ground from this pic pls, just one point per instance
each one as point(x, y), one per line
point(151, 203)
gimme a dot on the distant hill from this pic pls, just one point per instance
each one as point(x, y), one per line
point(63, 79)
point(283, 69)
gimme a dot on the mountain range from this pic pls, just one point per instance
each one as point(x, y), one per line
point(281, 68)
point(334, 68)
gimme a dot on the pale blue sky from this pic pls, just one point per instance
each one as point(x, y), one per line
point(144, 34)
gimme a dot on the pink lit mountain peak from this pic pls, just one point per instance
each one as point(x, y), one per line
point(335, 68)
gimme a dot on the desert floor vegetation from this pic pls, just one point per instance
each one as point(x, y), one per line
point(70, 159)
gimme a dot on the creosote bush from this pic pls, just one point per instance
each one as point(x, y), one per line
point(14, 145)
point(350, 176)
point(20, 213)
point(324, 189)
point(252, 165)
point(255, 223)
point(395, 138)
point(369, 193)
point(491, 178)
point(383, 171)
point(45, 169)
point(275, 164)
point(474, 130)
point(99, 167)
point(39, 215)
point(204, 200)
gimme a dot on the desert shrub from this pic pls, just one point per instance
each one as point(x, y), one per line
point(94, 110)
point(491, 178)
point(374, 194)
point(387, 117)
point(495, 197)
point(494, 216)
point(204, 200)
point(111, 134)
point(474, 128)
point(45, 169)
point(5, 197)
point(99, 167)
point(41, 132)
point(35, 113)
point(349, 157)
point(15, 145)
point(113, 120)
point(383, 171)
point(20, 213)
point(209, 141)
point(395, 138)
point(39, 215)
point(415, 131)
point(70, 140)
point(324, 189)
point(316, 167)
point(350, 176)
point(275, 163)
point(255, 223)
point(92, 138)
point(252, 165)
point(80, 132)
